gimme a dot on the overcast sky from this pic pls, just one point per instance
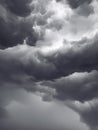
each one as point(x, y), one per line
point(48, 65)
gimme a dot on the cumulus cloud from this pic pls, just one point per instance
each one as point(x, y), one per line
point(76, 3)
point(48, 52)
point(15, 27)
point(19, 8)
point(25, 113)
point(80, 57)
point(88, 112)
point(78, 86)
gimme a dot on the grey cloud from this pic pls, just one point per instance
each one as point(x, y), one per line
point(20, 8)
point(3, 113)
point(20, 63)
point(16, 24)
point(90, 116)
point(85, 10)
point(82, 57)
point(27, 111)
point(65, 74)
point(74, 60)
point(82, 7)
point(76, 3)
point(78, 86)
point(14, 29)
point(88, 112)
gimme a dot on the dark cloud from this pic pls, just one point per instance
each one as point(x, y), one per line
point(3, 113)
point(63, 64)
point(20, 8)
point(29, 66)
point(76, 3)
point(68, 71)
point(14, 29)
point(14, 33)
point(85, 10)
point(30, 63)
point(23, 111)
point(76, 61)
point(82, 7)
point(78, 86)
point(90, 116)
point(35, 64)
point(88, 112)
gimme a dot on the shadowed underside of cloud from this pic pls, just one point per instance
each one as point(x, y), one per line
point(15, 26)
point(88, 112)
point(35, 63)
point(76, 3)
point(50, 49)
point(20, 8)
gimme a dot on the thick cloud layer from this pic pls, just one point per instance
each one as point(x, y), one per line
point(81, 57)
point(48, 64)
point(20, 8)
point(15, 26)
point(78, 86)
point(76, 3)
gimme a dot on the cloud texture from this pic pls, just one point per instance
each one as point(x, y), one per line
point(48, 61)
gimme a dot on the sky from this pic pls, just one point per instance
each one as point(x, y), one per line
point(48, 65)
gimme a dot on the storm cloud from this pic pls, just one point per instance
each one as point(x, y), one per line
point(48, 64)
point(76, 3)
point(15, 25)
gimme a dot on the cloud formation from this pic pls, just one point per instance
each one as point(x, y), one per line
point(15, 23)
point(49, 52)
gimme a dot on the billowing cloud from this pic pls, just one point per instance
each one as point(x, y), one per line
point(20, 8)
point(76, 3)
point(48, 61)
point(88, 112)
point(14, 27)
point(35, 62)
point(24, 113)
